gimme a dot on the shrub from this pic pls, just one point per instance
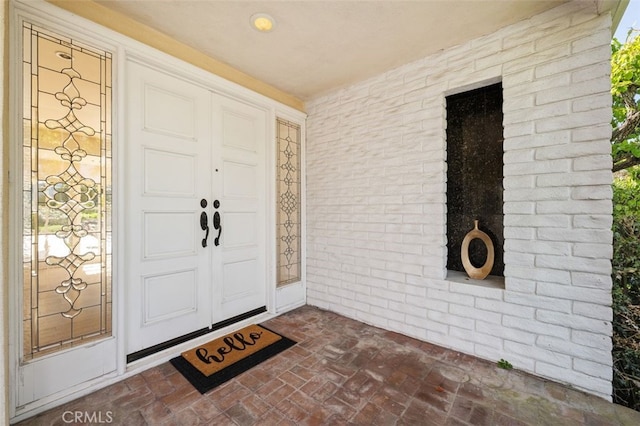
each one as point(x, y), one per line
point(626, 289)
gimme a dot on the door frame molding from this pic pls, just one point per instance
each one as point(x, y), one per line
point(123, 48)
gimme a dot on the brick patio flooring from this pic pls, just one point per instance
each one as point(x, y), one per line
point(346, 372)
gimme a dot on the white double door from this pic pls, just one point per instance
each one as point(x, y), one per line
point(195, 207)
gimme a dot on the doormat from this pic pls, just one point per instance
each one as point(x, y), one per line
point(213, 363)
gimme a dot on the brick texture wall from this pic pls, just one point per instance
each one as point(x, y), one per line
point(376, 200)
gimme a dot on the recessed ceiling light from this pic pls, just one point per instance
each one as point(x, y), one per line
point(263, 22)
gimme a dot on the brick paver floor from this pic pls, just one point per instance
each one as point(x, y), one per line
point(345, 372)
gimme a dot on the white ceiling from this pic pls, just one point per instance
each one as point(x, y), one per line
point(319, 46)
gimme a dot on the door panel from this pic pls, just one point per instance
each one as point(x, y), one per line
point(65, 370)
point(170, 113)
point(240, 265)
point(239, 126)
point(169, 295)
point(180, 182)
point(168, 173)
point(239, 180)
point(238, 278)
point(240, 229)
point(162, 241)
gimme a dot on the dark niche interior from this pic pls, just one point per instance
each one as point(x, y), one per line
point(474, 174)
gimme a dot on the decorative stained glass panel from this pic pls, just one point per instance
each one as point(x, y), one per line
point(289, 227)
point(66, 192)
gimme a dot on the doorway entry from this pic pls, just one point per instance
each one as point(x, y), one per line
point(195, 205)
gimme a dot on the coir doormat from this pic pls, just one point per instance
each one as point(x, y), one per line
point(213, 363)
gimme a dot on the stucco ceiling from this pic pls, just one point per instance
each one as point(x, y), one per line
point(318, 46)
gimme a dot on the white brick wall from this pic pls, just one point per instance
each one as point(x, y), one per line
point(376, 193)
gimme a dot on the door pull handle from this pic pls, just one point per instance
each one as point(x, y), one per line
point(216, 223)
point(204, 222)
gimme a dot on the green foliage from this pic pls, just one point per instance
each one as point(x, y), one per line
point(625, 86)
point(626, 232)
point(626, 289)
point(625, 150)
point(625, 64)
point(505, 364)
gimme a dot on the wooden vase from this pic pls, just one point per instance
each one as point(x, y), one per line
point(473, 272)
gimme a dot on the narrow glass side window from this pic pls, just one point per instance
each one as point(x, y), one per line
point(289, 227)
point(66, 192)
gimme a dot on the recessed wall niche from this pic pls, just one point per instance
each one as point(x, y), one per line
point(474, 174)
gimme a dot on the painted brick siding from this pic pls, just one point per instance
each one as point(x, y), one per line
point(376, 200)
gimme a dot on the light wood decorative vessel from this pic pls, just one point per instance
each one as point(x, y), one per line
point(473, 272)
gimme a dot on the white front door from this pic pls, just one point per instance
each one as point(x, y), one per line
point(195, 222)
point(239, 132)
point(168, 163)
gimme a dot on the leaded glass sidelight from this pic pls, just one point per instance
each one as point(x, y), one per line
point(289, 201)
point(66, 192)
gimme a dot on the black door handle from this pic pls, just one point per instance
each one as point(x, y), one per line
point(204, 222)
point(216, 223)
